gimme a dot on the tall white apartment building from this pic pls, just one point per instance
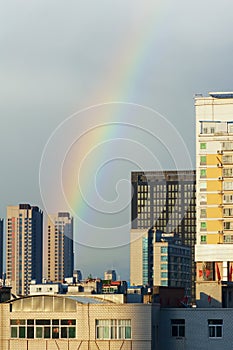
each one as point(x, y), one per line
point(214, 189)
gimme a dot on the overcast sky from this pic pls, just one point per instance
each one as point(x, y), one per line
point(61, 57)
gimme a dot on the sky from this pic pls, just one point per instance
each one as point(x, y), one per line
point(93, 90)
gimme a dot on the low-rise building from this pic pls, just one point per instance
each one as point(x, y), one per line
point(74, 322)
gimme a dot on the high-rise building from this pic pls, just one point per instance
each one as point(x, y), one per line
point(24, 246)
point(60, 252)
point(166, 200)
point(214, 162)
point(159, 259)
point(1, 247)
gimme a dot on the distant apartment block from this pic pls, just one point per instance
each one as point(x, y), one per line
point(60, 248)
point(24, 243)
point(166, 200)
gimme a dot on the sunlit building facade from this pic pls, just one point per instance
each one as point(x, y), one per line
point(24, 247)
point(214, 159)
point(60, 247)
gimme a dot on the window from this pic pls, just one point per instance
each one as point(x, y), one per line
point(203, 213)
point(227, 159)
point(228, 225)
point(228, 198)
point(228, 172)
point(215, 328)
point(43, 329)
point(228, 212)
point(203, 225)
point(203, 160)
point(203, 172)
point(178, 328)
point(164, 250)
point(203, 239)
point(113, 329)
point(203, 186)
point(228, 238)
point(228, 186)
point(164, 275)
point(228, 146)
point(163, 266)
point(203, 145)
point(164, 258)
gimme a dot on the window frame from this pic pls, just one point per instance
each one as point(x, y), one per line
point(113, 329)
point(178, 328)
point(215, 326)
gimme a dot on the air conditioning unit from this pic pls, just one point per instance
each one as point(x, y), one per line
point(220, 178)
point(219, 165)
point(220, 152)
point(220, 232)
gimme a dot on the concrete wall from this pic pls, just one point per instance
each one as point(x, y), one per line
point(196, 329)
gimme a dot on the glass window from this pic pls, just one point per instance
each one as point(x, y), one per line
point(178, 328)
point(163, 266)
point(203, 213)
point(14, 332)
point(43, 329)
point(203, 172)
point(164, 250)
point(215, 328)
point(21, 332)
point(164, 258)
point(30, 332)
point(203, 225)
point(71, 332)
point(164, 274)
point(203, 239)
point(55, 332)
point(203, 160)
point(63, 332)
point(203, 145)
point(164, 283)
point(113, 329)
point(39, 332)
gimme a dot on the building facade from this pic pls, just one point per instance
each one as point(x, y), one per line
point(159, 259)
point(24, 247)
point(60, 248)
point(75, 322)
point(167, 201)
point(214, 159)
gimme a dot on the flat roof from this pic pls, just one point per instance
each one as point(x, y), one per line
point(87, 300)
point(225, 94)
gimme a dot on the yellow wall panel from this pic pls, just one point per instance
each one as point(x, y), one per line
point(213, 172)
point(214, 239)
point(213, 159)
point(214, 212)
point(214, 198)
point(214, 225)
point(214, 185)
